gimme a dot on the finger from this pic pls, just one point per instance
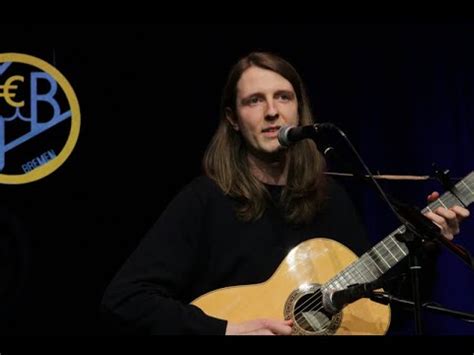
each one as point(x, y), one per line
point(261, 331)
point(442, 223)
point(451, 220)
point(257, 325)
point(278, 327)
point(433, 196)
point(253, 325)
point(461, 212)
point(437, 219)
point(445, 213)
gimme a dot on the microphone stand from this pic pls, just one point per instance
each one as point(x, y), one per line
point(417, 226)
point(418, 229)
point(386, 298)
point(414, 246)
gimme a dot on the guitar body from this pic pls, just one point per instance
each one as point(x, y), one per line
point(293, 288)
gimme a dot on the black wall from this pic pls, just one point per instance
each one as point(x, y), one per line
point(149, 97)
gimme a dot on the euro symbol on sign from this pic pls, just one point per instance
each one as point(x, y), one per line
point(9, 95)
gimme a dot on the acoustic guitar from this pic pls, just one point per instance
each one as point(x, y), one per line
point(316, 268)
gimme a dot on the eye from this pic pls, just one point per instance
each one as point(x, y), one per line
point(254, 100)
point(285, 96)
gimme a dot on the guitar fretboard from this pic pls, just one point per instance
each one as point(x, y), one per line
point(388, 252)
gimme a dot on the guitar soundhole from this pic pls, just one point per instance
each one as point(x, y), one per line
point(305, 307)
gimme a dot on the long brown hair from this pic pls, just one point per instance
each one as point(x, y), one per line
point(225, 160)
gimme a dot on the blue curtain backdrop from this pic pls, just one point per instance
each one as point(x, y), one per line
point(408, 102)
point(403, 93)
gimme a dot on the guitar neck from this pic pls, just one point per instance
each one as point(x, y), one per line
point(388, 252)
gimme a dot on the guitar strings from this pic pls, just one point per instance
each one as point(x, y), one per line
point(313, 303)
point(368, 262)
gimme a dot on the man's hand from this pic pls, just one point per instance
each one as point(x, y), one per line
point(260, 327)
point(447, 219)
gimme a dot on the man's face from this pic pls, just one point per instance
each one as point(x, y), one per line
point(265, 101)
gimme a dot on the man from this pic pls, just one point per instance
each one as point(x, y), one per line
point(235, 225)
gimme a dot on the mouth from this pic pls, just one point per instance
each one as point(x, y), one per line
point(271, 129)
point(271, 132)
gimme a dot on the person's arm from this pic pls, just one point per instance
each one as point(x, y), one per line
point(144, 295)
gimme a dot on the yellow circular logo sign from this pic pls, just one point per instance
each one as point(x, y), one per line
point(39, 118)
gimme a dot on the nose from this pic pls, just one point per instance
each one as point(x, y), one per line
point(272, 111)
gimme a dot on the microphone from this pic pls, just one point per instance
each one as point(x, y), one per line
point(335, 301)
point(292, 134)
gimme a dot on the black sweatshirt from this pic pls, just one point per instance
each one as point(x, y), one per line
point(198, 245)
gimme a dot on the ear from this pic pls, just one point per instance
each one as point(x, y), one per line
point(231, 118)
